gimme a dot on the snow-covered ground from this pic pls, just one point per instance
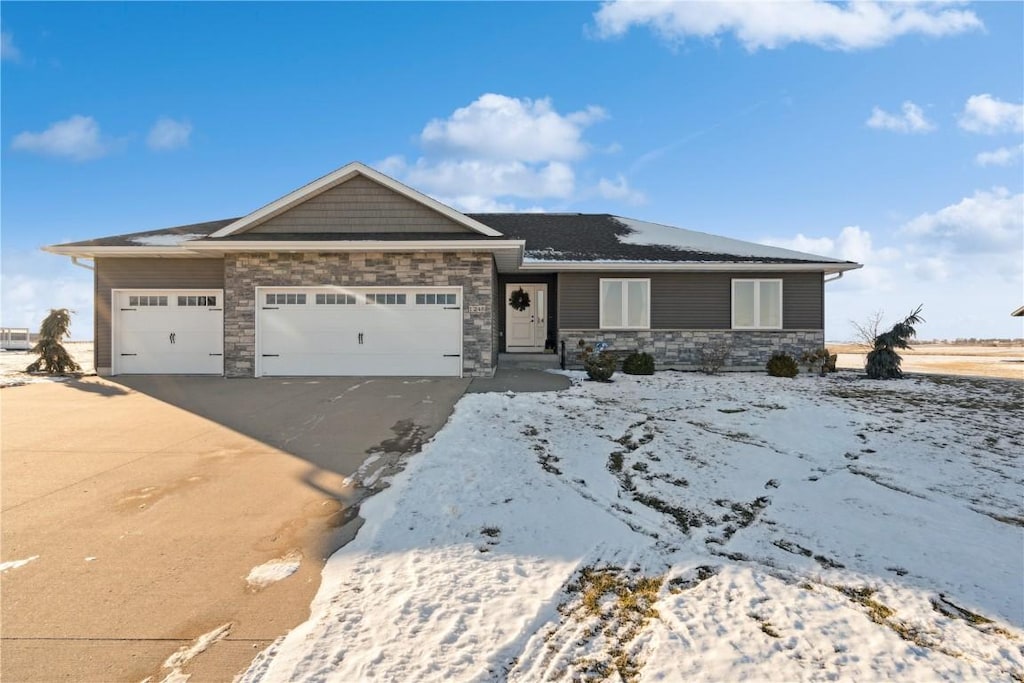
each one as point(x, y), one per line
point(685, 527)
point(13, 364)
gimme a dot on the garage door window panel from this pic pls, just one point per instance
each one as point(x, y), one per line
point(289, 299)
point(386, 299)
point(436, 299)
point(335, 300)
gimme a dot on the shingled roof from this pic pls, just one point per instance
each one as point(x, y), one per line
point(549, 238)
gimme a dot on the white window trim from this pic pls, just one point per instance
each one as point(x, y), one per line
point(757, 305)
point(625, 303)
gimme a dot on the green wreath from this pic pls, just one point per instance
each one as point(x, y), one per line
point(519, 300)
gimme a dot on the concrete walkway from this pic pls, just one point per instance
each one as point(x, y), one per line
point(519, 381)
point(146, 503)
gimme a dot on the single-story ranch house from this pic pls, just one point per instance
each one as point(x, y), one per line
point(357, 274)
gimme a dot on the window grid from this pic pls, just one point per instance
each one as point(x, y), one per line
point(334, 299)
point(191, 300)
point(147, 300)
point(434, 299)
point(286, 299)
point(390, 299)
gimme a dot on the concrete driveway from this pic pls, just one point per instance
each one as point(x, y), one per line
point(149, 500)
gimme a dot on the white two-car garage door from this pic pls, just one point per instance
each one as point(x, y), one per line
point(168, 331)
point(359, 331)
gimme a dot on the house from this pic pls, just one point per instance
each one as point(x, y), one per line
point(358, 274)
point(15, 339)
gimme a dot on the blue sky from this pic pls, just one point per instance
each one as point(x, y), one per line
point(887, 134)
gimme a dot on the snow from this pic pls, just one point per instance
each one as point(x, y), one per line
point(273, 571)
point(166, 240)
point(645, 233)
point(187, 653)
point(16, 564)
point(682, 527)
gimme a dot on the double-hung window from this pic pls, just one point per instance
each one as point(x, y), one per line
point(757, 304)
point(625, 303)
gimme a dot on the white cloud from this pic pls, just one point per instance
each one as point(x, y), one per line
point(500, 149)
point(852, 244)
point(1004, 156)
point(984, 222)
point(9, 52)
point(167, 134)
point(930, 268)
point(620, 190)
point(770, 25)
point(964, 293)
point(31, 283)
point(76, 138)
point(912, 120)
point(505, 128)
point(485, 178)
point(989, 115)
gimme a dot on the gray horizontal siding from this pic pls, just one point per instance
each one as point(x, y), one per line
point(145, 273)
point(691, 301)
point(359, 205)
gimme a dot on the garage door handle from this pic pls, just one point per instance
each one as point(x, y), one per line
point(452, 355)
point(216, 309)
point(453, 308)
point(270, 308)
point(128, 309)
point(216, 354)
point(271, 355)
point(129, 354)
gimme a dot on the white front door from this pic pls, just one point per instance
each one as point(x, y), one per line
point(527, 329)
point(379, 331)
point(168, 331)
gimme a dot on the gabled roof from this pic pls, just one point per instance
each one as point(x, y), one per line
point(519, 241)
point(335, 178)
point(526, 241)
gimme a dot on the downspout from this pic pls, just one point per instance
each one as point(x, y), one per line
point(75, 262)
point(95, 348)
point(838, 276)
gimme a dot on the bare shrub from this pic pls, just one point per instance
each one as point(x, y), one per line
point(866, 331)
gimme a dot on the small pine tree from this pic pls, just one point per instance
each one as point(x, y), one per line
point(638, 363)
point(781, 364)
point(53, 357)
point(883, 361)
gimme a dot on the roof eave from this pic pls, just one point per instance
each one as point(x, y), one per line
point(84, 251)
point(694, 266)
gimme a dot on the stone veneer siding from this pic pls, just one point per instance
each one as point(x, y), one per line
point(678, 349)
point(474, 272)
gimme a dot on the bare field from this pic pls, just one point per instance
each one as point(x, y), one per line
point(1006, 362)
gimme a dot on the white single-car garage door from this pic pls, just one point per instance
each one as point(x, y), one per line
point(168, 331)
point(359, 331)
